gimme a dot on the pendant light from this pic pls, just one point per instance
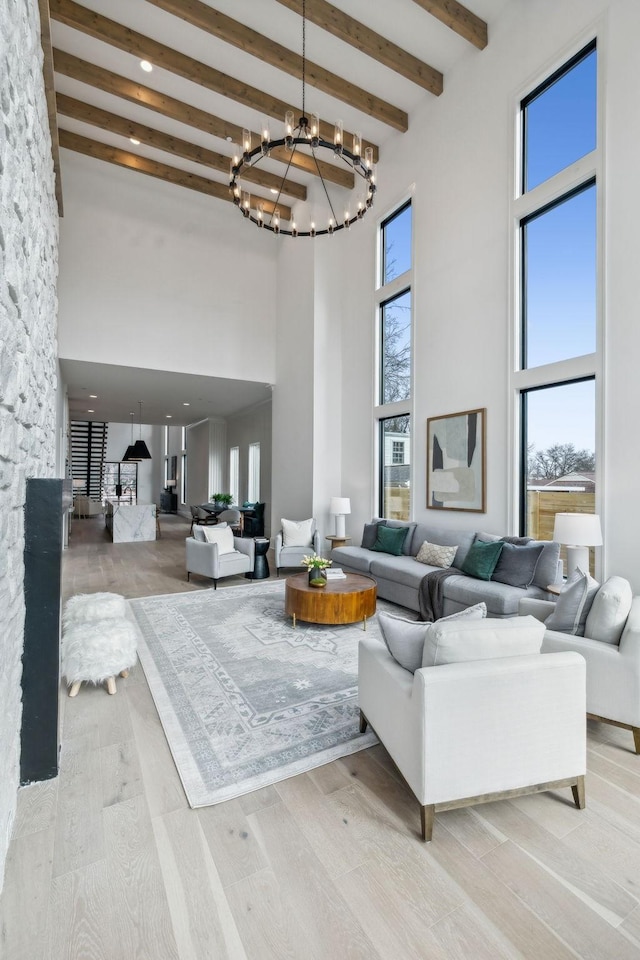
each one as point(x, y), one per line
point(140, 449)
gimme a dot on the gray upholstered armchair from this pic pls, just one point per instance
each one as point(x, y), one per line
point(207, 560)
point(287, 555)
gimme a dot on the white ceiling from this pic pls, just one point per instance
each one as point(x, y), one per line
point(402, 21)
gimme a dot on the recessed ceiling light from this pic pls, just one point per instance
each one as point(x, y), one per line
point(169, 416)
point(135, 142)
point(229, 139)
point(90, 411)
point(93, 396)
point(146, 66)
point(186, 404)
point(273, 190)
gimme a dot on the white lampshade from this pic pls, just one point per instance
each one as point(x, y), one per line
point(578, 529)
point(340, 505)
point(77, 484)
point(171, 483)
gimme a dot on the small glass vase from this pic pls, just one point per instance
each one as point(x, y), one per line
point(317, 577)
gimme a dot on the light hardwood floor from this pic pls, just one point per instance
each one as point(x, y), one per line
point(108, 862)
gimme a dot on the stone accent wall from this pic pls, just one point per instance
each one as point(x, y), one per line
point(28, 308)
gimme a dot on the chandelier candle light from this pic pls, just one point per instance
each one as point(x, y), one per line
point(305, 135)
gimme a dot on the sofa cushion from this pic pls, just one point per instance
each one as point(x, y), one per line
point(405, 525)
point(297, 533)
point(481, 560)
point(405, 639)
point(546, 570)
point(436, 555)
point(354, 558)
point(390, 540)
point(501, 599)
point(456, 642)
point(460, 538)
point(223, 536)
point(609, 611)
point(399, 569)
point(370, 533)
point(573, 604)
point(516, 564)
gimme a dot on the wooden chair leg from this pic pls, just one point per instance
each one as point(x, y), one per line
point(363, 722)
point(578, 793)
point(111, 685)
point(124, 674)
point(636, 738)
point(427, 816)
point(73, 689)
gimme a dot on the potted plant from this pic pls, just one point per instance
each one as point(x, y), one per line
point(222, 500)
point(317, 567)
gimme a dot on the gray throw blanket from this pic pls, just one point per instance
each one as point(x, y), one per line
point(431, 591)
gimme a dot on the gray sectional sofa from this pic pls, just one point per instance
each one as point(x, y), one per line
point(399, 577)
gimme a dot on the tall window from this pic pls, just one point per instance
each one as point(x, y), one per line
point(165, 445)
point(234, 473)
point(557, 216)
point(253, 491)
point(183, 465)
point(394, 381)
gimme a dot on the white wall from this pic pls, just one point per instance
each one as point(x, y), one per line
point(176, 277)
point(459, 167)
point(29, 433)
point(253, 426)
point(198, 463)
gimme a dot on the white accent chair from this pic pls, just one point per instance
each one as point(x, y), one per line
point(469, 732)
point(613, 669)
point(292, 556)
point(205, 559)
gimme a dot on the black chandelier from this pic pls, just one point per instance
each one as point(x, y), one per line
point(306, 134)
point(138, 451)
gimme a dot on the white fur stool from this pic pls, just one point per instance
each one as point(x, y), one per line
point(98, 641)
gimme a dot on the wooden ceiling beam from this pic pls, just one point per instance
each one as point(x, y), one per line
point(50, 96)
point(341, 25)
point(162, 171)
point(219, 25)
point(108, 31)
point(458, 18)
point(88, 73)
point(78, 110)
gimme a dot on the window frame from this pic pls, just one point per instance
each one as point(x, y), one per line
point(525, 206)
point(383, 294)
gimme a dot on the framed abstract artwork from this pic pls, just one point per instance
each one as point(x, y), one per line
point(456, 470)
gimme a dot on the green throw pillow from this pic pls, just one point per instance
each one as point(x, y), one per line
point(482, 558)
point(390, 540)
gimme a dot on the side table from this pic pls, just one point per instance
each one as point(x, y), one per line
point(261, 564)
point(338, 541)
point(555, 588)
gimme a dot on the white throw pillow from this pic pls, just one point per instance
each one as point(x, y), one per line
point(223, 537)
point(405, 639)
point(573, 604)
point(609, 611)
point(297, 533)
point(485, 640)
point(436, 555)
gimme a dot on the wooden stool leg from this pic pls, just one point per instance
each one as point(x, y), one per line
point(124, 673)
point(111, 685)
point(73, 689)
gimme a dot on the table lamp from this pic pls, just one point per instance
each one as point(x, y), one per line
point(170, 485)
point(340, 506)
point(578, 531)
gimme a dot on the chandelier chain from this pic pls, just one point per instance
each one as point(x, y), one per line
point(304, 51)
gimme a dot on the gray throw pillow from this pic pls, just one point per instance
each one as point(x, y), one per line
point(573, 604)
point(546, 570)
point(405, 639)
point(516, 564)
point(370, 534)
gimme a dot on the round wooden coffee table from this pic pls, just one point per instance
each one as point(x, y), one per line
point(341, 601)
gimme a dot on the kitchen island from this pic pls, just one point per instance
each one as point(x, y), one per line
point(131, 522)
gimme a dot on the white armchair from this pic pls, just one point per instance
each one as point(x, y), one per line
point(86, 507)
point(613, 669)
point(205, 559)
point(477, 730)
point(288, 556)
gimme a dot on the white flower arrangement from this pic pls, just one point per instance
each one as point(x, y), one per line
point(314, 561)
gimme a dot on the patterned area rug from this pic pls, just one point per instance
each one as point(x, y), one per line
point(245, 700)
